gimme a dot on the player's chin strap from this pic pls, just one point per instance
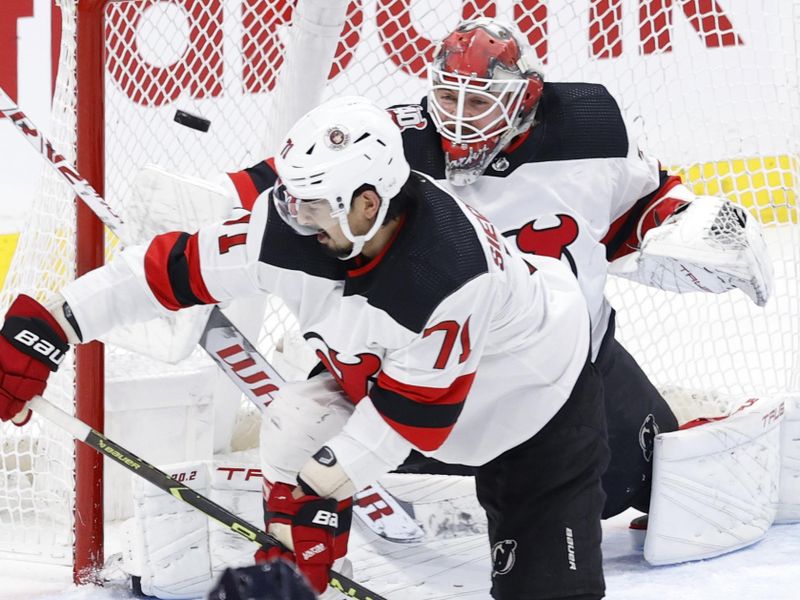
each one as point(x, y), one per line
point(106, 447)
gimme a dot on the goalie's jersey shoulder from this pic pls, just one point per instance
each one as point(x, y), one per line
point(421, 143)
point(574, 121)
point(437, 251)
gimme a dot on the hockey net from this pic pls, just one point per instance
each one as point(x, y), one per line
point(710, 87)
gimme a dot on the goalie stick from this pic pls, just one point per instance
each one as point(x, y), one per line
point(377, 509)
point(106, 447)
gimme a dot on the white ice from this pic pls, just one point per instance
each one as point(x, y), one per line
point(459, 569)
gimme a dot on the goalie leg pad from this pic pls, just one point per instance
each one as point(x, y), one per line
point(176, 550)
point(789, 496)
point(170, 549)
point(715, 486)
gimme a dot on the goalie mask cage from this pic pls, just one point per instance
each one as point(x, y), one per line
point(709, 86)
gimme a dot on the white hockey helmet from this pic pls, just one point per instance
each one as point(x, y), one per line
point(332, 151)
point(485, 82)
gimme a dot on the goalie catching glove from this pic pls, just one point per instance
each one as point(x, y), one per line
point(709, 245)
point(32, 345)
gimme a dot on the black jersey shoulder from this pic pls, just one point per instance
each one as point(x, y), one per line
point(573, 121)
point(283, 247)
point(437, 252)
point(421, 142)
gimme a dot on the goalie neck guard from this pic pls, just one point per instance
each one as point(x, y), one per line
point(485, 84)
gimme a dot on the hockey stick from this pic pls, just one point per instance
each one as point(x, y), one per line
point(254, 375)
point(106, 447)
point(380, 514)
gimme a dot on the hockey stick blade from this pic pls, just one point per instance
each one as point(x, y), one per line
point(106, 447)
point(385, 516)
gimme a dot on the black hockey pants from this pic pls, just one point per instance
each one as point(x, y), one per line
point(635, 412)
point(543, 500)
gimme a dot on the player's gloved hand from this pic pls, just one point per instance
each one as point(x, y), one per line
point(306, 525)
point(32, 345)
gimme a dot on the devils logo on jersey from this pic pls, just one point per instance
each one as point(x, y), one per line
point(353, 373)
point(504, 555)
point(647, 435)
point(548, 241)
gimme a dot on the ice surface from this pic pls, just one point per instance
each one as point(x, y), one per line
point(459, 569)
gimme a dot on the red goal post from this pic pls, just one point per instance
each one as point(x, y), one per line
point(710, 86)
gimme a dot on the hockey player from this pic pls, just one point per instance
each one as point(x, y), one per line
point(552, 165)
point(442, 338)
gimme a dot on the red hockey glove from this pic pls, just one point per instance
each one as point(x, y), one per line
point(32, 344)
point(313, 522)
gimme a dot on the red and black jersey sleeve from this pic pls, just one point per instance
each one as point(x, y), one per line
point(423, 415)
point(625, 233)
point(251, 182)
point(172, 269)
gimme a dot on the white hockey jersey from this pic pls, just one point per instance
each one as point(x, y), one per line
point(574, 188)
point(447, 341)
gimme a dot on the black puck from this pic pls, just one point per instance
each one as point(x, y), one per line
point(192, 121)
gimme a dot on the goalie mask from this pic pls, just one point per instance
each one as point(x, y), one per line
point(485, 83)
point(328, 155)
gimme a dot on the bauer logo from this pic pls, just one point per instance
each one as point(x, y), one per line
point(40, 346)
point(326, 518)
point(570, 549)
point(504, 555)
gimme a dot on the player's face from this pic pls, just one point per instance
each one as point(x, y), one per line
point(479, 111)
point(317, 214)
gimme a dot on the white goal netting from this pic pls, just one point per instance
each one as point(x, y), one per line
point(710, 86)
